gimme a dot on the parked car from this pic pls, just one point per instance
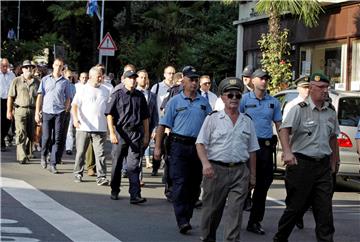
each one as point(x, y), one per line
point(347, 106)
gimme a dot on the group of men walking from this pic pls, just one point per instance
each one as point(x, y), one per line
point(227, 151)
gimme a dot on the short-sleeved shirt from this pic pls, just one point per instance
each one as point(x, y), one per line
point(262, 111)
point(161, 93)
point(23, 92)
point(185, 116)
point(226, 142)
point(128, 109)
point(5, 81)
point(54, 92)
point(357, 136)
point(91, 102)
point(311, 129)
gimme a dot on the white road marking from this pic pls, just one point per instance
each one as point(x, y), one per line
point(15, 230)
point(276, 201)
point(71, 224)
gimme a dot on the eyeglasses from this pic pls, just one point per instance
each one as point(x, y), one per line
point(170, 73)
point(207, 83)
point(232, 95)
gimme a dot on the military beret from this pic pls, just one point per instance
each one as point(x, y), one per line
point(248, 70)
point(190, 72)
point(230, 83)
point(260, 73)
point(302, 81)
point(130, 73)
point(319, 77)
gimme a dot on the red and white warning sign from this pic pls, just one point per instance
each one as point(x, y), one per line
point(107, 46)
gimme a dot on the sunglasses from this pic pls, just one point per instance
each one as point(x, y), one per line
point(232, 95)
point(206, 83)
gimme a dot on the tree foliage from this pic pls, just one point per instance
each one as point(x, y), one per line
point(274, 45)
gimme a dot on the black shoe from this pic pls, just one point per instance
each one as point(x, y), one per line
point(255, 228)
point(24, 161)
point(114, 196)
point(184, 228)
point(69, 152)
point(124, 174)
point(137, 200)
point(198, 204)
point(300, 223)
point(154, 173)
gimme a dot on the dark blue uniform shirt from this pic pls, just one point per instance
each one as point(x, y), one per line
point(128, 109)
point(263, 112)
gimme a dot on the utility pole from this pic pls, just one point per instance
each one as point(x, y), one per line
point(18, 22)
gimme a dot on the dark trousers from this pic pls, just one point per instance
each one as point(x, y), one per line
point(308, 183)
point(65, 130)
point(185, 172)
point(264, 178)
point(5, 123)
point(129, 149)
point(52, 125)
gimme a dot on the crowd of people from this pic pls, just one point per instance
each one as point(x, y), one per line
point(222, 144)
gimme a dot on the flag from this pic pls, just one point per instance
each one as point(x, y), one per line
point(92, 8)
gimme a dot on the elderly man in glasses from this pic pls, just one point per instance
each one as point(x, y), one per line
point(227, 178)
point(205, 85)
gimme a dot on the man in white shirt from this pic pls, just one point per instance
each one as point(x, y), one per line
point(205, 85)
point(302, 84)
point(161, 89)
point(88, 108)
point(6, 78)
point(227, 178)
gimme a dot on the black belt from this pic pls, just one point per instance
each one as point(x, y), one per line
point(227, 164)
point(18, 106)
point(305, 157)
point(182, 139)
point(264, 142)
point(132, 128)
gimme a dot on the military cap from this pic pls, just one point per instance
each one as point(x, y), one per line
point(27, 63)
point(190, 72)
point(260, 73)
point(319, 77)
point(302, 81)
point(130, 74)
point(248, 70)
point(230, 83)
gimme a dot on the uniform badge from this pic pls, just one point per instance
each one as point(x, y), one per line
point(317, 78)
point(232, 81)
point(267, 143)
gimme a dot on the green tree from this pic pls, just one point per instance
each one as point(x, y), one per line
point(274, 45)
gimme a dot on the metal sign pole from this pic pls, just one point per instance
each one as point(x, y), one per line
point(101, 28)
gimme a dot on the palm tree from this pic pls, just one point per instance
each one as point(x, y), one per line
point(307, 11)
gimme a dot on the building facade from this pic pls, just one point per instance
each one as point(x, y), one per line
point(333, 47)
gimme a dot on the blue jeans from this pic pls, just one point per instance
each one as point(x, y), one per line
point(52, 125)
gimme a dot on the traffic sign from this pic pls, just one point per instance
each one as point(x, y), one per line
point(107, 43)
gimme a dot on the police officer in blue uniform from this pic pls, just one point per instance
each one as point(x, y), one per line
point(264, 110)
point(184, 115)
point(127, 110)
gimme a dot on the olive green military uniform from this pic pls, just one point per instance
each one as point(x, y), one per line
point(310, 181)
point(24, 94)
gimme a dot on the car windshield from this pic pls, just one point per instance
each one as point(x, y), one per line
point(349, 111)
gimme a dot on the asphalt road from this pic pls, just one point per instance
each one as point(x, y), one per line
point(39, 206)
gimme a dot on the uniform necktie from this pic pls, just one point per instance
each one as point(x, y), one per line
point(206, 96)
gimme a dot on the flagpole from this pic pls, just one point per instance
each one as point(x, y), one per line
point(101, 28)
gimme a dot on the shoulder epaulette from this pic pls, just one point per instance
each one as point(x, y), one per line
point(303, 104)
point(331, 106)
point(215, 111)
point(248, 115)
